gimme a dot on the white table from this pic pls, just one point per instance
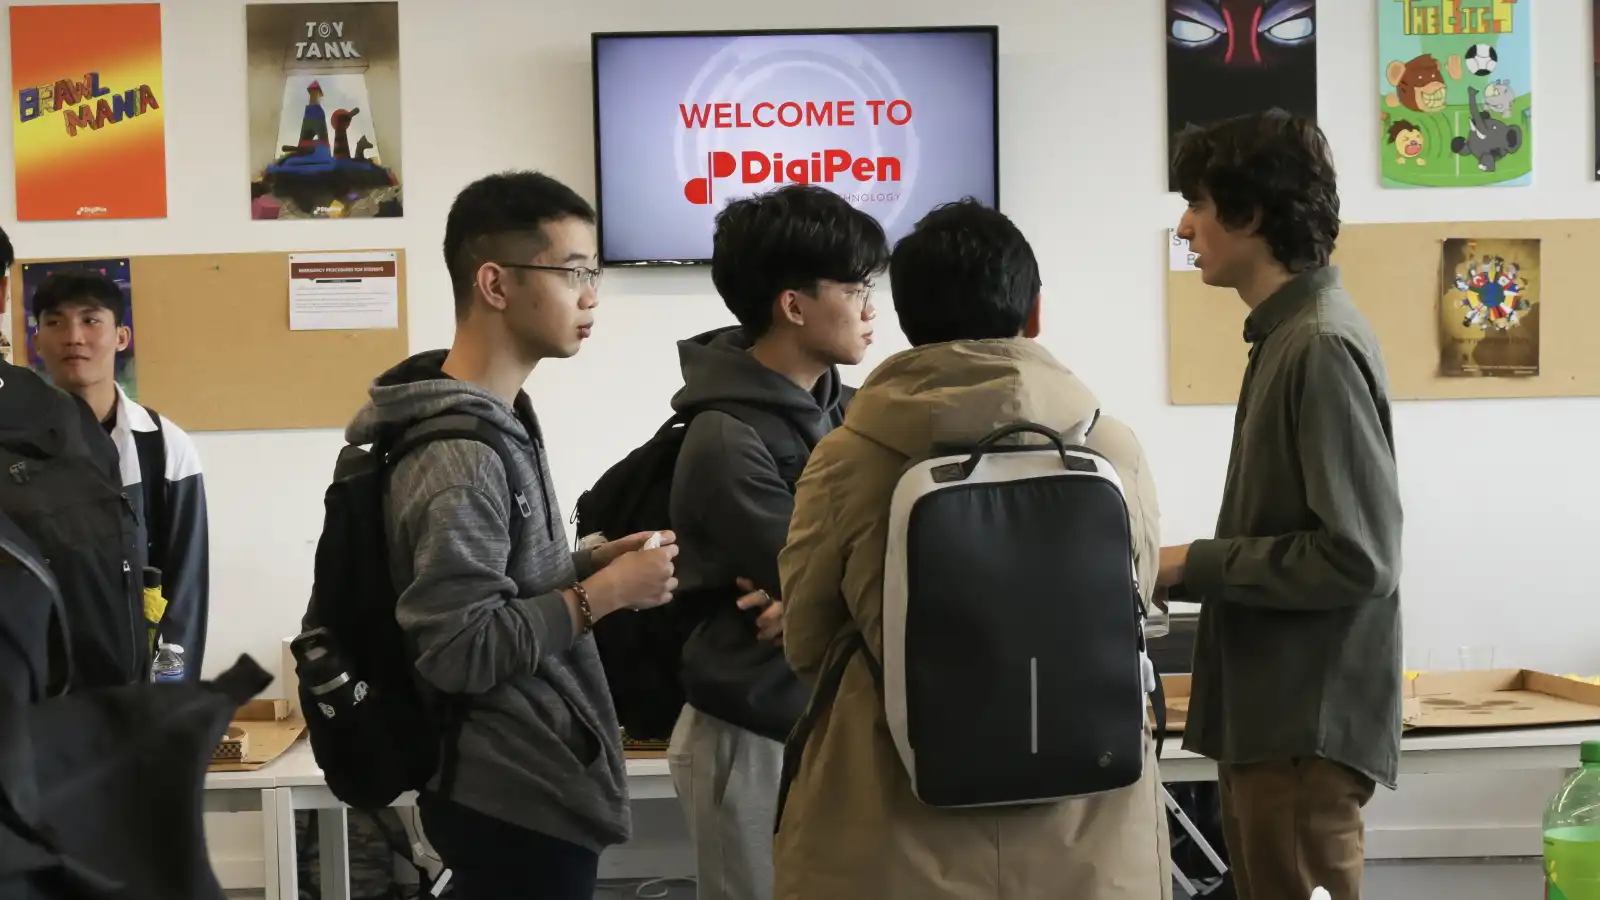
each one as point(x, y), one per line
point(294, 782)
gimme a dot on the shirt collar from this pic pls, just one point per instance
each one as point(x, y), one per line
point(1288, 300)
point(131, 415)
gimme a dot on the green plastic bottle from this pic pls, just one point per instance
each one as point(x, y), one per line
point(1572, 833)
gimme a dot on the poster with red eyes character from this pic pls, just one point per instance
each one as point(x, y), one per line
point(1231, 57)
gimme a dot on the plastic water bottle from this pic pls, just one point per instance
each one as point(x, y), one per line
point(1572, 833)
point(168, 664)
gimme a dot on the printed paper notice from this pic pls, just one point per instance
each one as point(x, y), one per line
point(1180, 258)
point(344, 291)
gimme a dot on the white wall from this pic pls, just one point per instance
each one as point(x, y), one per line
point(1501, 501)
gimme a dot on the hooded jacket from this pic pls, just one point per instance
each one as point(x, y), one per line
point(540, 747)
point(730, 506)
point(851, 828)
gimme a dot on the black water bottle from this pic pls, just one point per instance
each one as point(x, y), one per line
point(323, 675)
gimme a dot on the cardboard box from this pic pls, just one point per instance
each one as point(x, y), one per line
point(265, 729)
point(1498, 698)
point(1445, 701)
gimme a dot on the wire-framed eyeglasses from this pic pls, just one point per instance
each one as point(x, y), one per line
point(578, 277)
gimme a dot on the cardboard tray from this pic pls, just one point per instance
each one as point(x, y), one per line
point(1454, 701)
point(262, 729)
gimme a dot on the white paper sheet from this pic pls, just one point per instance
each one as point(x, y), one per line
point(351, 290)
point(1181, 260)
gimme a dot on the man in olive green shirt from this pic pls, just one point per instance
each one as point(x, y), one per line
point(1297, 683)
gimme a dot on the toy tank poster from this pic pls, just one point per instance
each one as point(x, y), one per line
point(1455, 93)
point(1227, 58)
point(324, 87)
point(1489, 307)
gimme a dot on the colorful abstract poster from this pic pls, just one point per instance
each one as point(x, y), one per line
point(34, 274)
point(324, 87)
point(89, 129)
point(1595, 18)
point(1227, 58)
point(1489, 307)
point(1455, 92)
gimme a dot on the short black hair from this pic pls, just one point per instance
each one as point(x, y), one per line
point(1273, 163)
point(8, 254)
point(964, 273)
point(788, 239)
point(76, 287)
point(501, 208)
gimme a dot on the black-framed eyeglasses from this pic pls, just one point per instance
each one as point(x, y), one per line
point(578, 277)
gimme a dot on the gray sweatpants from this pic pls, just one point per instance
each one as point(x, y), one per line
point(727, 781)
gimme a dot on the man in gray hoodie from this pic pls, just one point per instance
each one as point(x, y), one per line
point(794, 267)
point(540, 785)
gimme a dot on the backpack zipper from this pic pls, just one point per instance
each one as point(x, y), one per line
point(135, 612)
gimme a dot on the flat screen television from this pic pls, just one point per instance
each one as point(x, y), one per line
point(897, 120)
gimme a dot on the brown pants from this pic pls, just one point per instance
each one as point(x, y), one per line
point(1294, 826)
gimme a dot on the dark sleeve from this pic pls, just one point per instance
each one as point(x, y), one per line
point(186, 575)
point(727, 483)
point(1352, 490)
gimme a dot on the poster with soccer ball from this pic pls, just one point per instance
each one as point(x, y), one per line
point(1455, 93)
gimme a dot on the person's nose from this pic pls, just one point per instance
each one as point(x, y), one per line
point(1186, 227)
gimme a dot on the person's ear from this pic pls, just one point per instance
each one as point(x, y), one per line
point(5, 293)
point(1030, 328)
point(124, 337)
point(787, 309)
point(492, 283)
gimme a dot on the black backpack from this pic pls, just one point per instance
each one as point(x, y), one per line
point(376, 729)
point(642, 652)
point(58, 493)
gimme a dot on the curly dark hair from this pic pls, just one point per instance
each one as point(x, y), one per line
point(1271, 163)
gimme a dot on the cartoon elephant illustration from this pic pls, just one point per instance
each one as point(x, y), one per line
point(1488, 138)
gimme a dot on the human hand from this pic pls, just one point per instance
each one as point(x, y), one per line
point(1171, 569)
point(769, 625)
point(637, 579)
point(607, 553)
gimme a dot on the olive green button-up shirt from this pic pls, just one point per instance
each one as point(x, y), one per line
point(1299, 646)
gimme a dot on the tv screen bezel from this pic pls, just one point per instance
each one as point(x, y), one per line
point(993, 32)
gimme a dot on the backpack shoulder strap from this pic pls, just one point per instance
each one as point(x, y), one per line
point(152, 449)
point(778, 432)
point(463, 426)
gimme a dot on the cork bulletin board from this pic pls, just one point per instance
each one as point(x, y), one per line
point(214, 351)
point(1392, 272)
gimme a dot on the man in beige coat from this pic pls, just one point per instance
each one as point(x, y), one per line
point(966, 290)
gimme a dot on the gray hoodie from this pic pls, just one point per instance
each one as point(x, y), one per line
point(540, 747)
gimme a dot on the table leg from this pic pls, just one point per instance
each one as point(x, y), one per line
point(278, 818)
point(333, 830)
point(269, 843)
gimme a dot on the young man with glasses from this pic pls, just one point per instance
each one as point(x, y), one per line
point(539, 786)
point(794, 267)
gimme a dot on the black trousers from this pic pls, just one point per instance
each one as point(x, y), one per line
point(491, 859)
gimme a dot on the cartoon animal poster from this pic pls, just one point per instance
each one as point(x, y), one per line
point(1455, 92)
point(1489, 307)
point(88, 117)
point(119, 271)
point(1227, 58)
point(324, 88)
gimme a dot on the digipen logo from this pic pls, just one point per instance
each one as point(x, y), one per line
point(719, 164)
point(821, 167)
